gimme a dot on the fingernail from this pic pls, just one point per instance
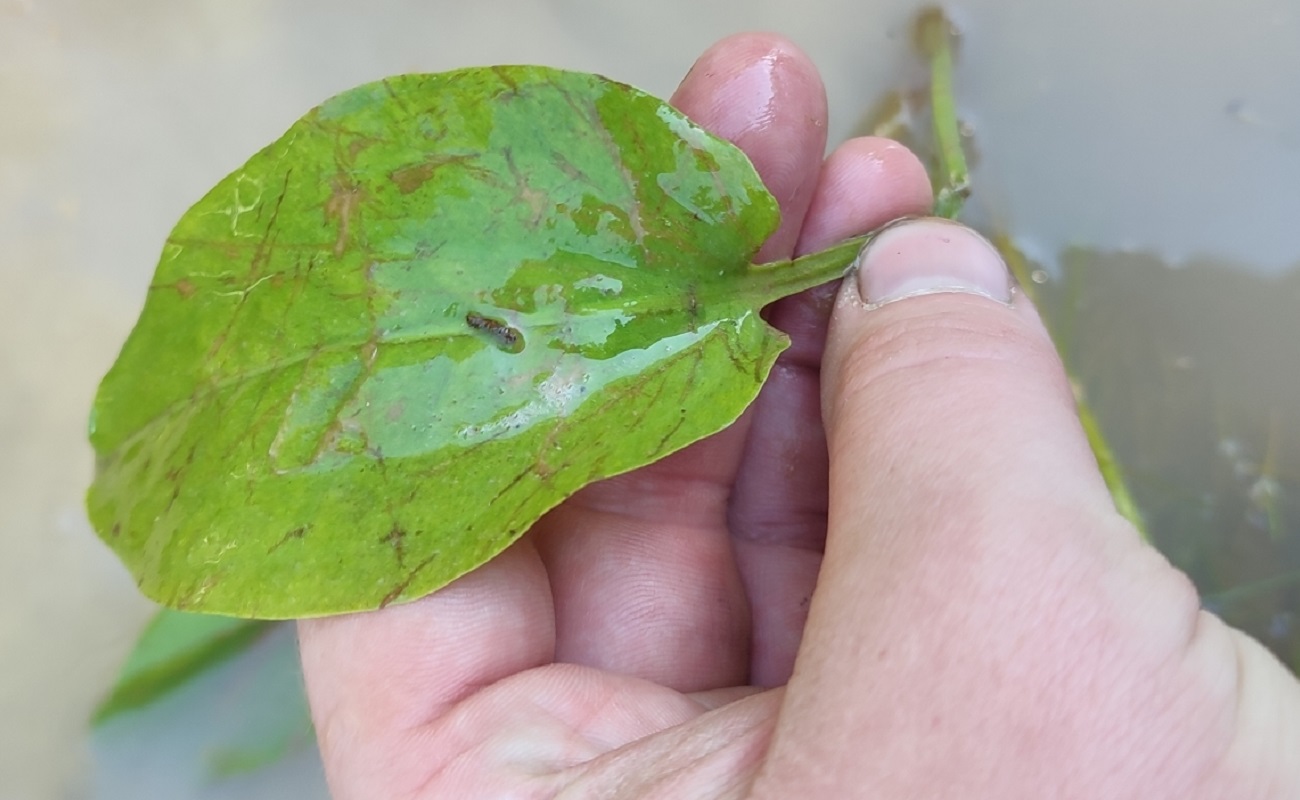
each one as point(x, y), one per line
point(931, 256)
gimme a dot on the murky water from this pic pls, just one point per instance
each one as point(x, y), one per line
point(1145, 153)
point(1195, 374)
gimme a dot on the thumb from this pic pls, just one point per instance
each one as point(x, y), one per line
point(985, 624)
point(958, 389)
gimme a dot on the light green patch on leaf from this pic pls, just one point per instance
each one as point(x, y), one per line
point(375, 354)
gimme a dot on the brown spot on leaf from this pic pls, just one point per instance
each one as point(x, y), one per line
point(537, 202)
point(357, 145)
point(183, 287)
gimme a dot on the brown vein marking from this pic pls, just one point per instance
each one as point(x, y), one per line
point(175, 474)
point(573, 171)
point(294, 535)
point(681, 419)
point(586, 109)
point(505, 77)
point(778, 343)
point(300, 278)
point(183, 287)
point(266, 244)
point(529, 498)
point(412, 176)
point(348, 142)
point(405, 583)
point(519, 477)
point(396, 98)
point(260, 256)
point(396, 539)
point(401, 587)
point(729, 343)
point(193, 595)
point(345, 197)
point(534, 199)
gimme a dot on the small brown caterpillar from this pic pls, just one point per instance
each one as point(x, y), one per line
point(506, 338)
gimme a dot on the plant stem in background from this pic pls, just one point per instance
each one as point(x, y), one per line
point(1111, 471)
point(935, 35)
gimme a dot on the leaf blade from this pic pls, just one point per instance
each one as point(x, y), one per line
point(363, 351)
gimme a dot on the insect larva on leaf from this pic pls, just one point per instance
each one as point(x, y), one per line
point(505, 337)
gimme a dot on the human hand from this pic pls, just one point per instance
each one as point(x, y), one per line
point(983, 624)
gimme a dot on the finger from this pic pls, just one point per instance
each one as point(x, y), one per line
point(644, 577)
point(977, 601)
point(375, 679)
point(762, 93)
point(778, 515)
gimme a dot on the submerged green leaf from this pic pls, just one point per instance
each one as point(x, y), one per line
point(173, 648)
point(376, 353)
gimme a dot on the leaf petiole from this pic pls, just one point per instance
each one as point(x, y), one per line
point(935, 34)
point(776, 279)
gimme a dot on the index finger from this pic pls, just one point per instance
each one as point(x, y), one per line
point(375, 678)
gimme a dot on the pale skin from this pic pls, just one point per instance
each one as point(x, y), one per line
point(898, 576)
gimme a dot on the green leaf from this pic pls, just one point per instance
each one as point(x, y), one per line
point(376, 353)
point(241, 716)
point(173, 648)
